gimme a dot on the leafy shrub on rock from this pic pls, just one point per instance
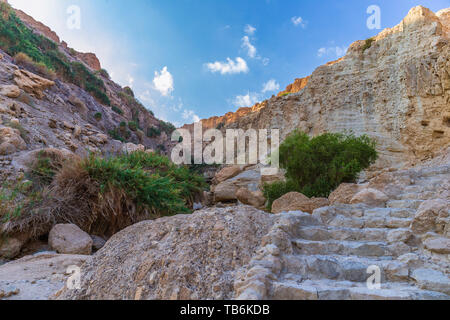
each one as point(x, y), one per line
point(316, 166)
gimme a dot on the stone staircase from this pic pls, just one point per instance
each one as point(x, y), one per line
point(332, 253)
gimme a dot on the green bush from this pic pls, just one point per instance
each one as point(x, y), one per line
point(368, 44)
point(316, 166)
point(133, 125)
point(117, 110)
point(98, 116)
point(153, 132)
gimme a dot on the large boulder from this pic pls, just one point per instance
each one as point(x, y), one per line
point(227, 173)
point(295, 201)
point(255, 199)
point(226, 191)
point(432, 215)
point(70, 239)
point(39, 276)
point(10, 247)
point(370, 197)
point(181, 257)
point(344, 193)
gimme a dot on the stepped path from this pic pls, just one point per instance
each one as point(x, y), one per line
point(327, 255)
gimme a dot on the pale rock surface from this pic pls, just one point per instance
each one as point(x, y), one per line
point(226, 190)
point(70, 239)
point(181, 257)
point(227, 173)
point(371, 197)
point(295, 201)
point(32, 83)
point(430, 214)
point(344, 193)
point(11, 91)
point(255, 199)
point(37, 277)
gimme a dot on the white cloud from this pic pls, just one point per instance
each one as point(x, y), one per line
point(250, 30)
point(270, 86)
point(130, 80)
point(229, 67)
point(163, 82)
point(298, 21)
point(247, 100)
point(190, 116)
point(332, 51)
point(251, 50)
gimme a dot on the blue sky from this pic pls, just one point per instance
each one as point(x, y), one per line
point(190, 59)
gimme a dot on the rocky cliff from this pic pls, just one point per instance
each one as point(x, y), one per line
point(394, 87)
point(76, 106)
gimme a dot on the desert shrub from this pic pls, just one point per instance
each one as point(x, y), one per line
point(44, 167)
point(220, 126)
point(117, 110)
point(133, 125)
point(128, 91)
point(103, 195)
point(316, 166)
point(36, 67)
point(166, 127)
point(98, 116)
point(23, 132)
point(103, 73)
point(368, 44)
point(116, 135)
point(16, 198)
point(153, 132)
point(285, 94)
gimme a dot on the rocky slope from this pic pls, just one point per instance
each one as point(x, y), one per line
point(395, 89)
point(37, 113)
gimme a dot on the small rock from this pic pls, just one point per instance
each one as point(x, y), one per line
point(438, 245)
point(430, 279)
point(97, 243)
point(70, 239)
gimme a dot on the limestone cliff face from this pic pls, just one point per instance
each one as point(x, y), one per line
point(396, 91)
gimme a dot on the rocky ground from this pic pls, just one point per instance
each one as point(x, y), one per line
point(395, 219)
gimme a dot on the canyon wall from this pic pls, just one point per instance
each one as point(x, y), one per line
point(395, 88)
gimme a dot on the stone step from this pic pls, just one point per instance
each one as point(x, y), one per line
point(390, 212)
point(323, 233)
point(330, 290)
point(348, 268)
point(350, 248)
point(370, 222)
point(410, 204)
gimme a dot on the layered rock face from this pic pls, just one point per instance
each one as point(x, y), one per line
point(396, 91)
